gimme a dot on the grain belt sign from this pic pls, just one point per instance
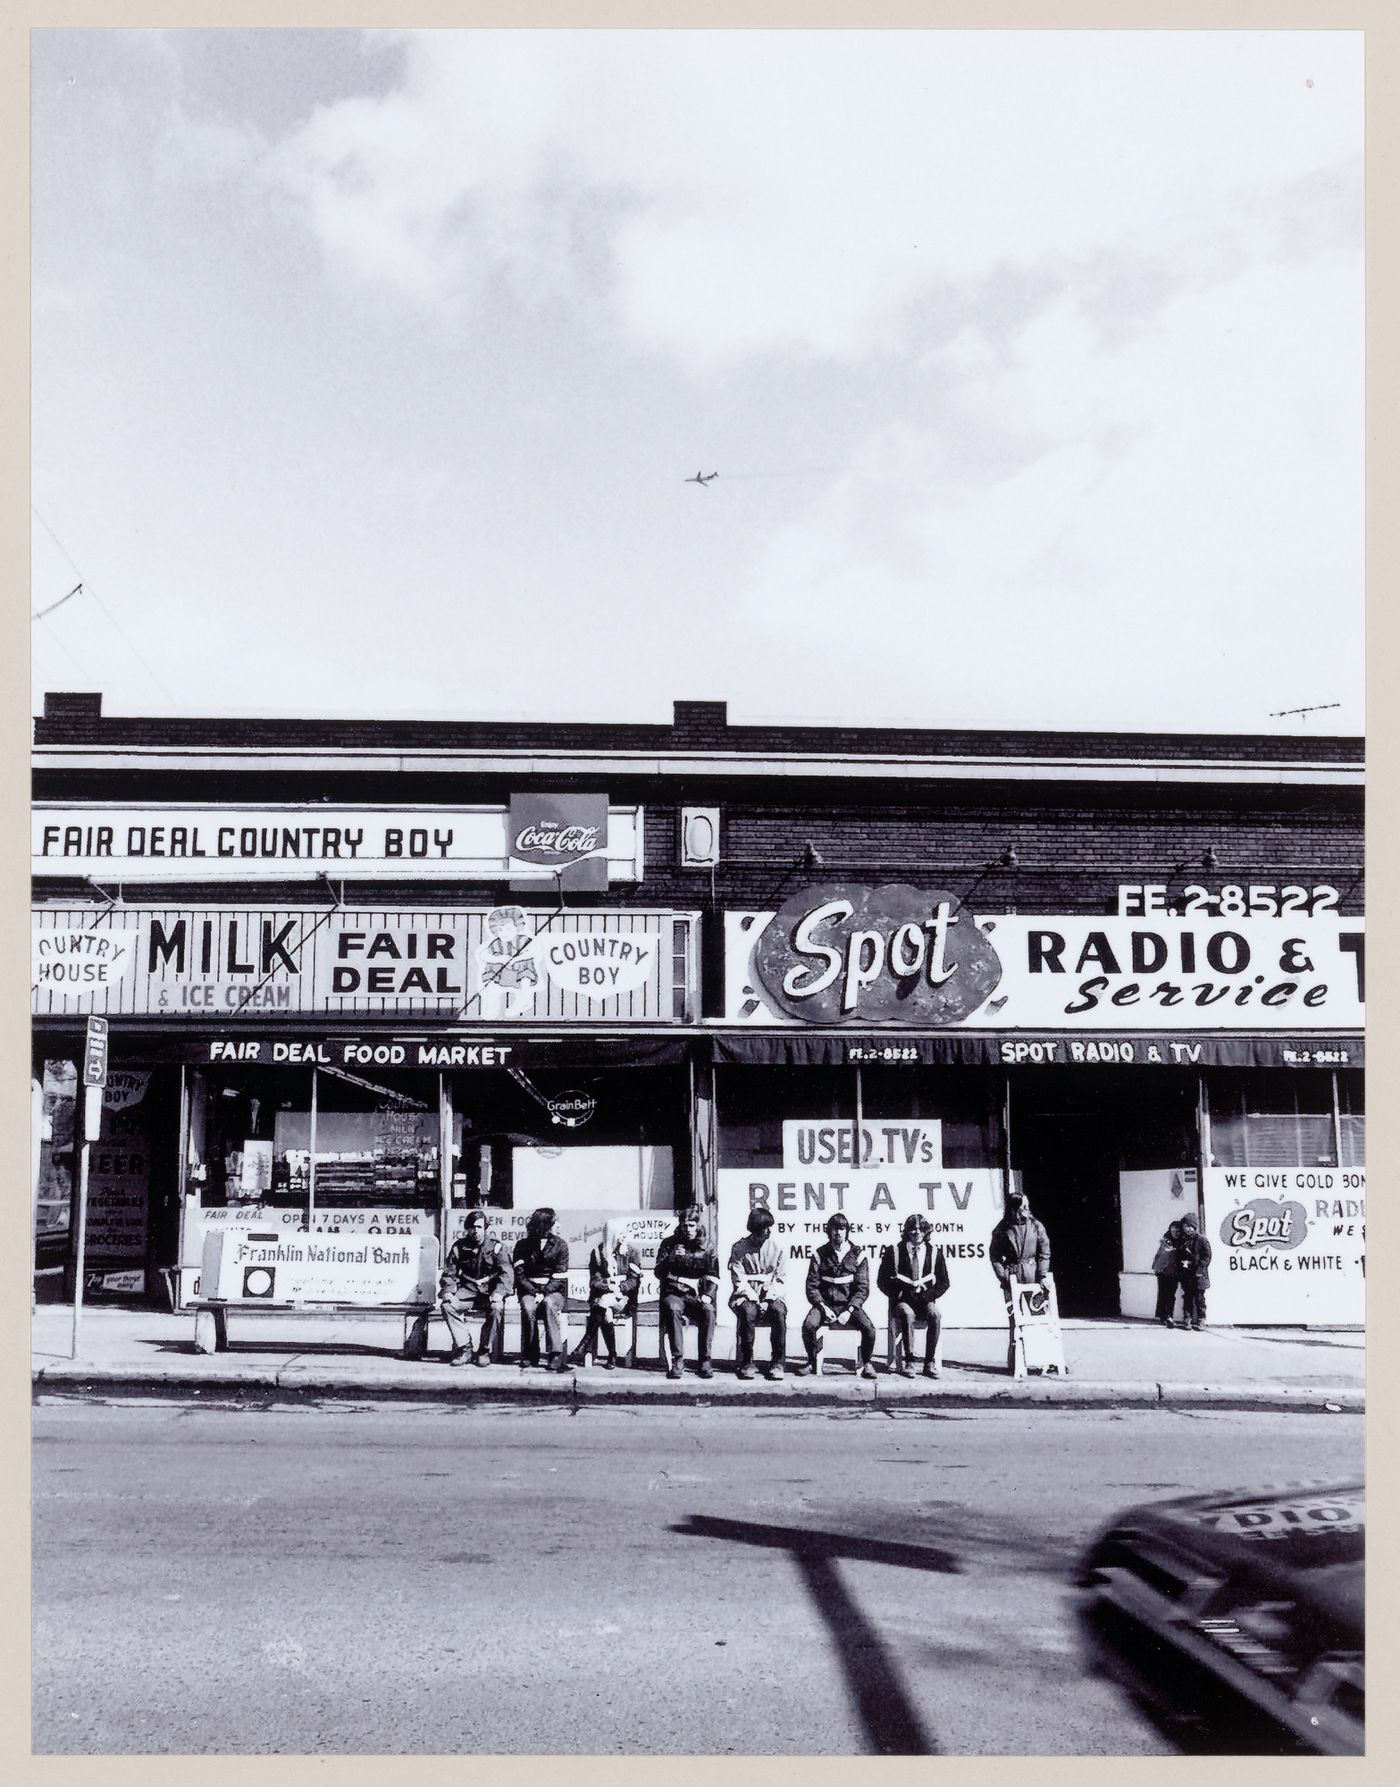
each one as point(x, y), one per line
point(898, 956)
point(470, 966)
point(900, 1173)
point(112, 843)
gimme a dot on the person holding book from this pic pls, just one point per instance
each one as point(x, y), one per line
point(914, 1275)
point(756, 1274)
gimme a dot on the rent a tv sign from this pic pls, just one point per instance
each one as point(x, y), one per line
point(844, 953)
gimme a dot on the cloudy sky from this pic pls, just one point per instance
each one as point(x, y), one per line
point(368, 370)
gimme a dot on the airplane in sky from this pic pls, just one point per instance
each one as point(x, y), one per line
point(701, 478)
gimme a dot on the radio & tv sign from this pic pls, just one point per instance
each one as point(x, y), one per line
point(847, 954)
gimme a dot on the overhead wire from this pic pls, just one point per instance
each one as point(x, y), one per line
point(85, 588)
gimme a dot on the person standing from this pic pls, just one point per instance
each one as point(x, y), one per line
point(1020, 1254)
point(541, 1260)
point(914, 1275)
point(838, 1283)
point(475, 1277)
point(1020, 1247)
point(1193, 1269)
point(687, 1272)
point(1164, 1265)
point(756, 1273)
point(614, 1279)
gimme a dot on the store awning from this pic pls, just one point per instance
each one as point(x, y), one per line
point(1181, 1048)
point(447, 1051)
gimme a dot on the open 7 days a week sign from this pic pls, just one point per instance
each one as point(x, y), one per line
point(842, 953)
point(901, 1173)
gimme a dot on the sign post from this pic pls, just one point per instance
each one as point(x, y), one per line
point(94, 1079)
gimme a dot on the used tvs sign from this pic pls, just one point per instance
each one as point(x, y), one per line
point(564, 833)
point(887, 955)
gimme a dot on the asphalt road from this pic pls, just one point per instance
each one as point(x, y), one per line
point(516, 1581)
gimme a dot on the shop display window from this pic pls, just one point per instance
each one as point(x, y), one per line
point(1351, 1108)
point(250, 1139)
point(604, 1138)
point(966, 1101)
point(753, 1103)
point(58, 1169)
point(1265, 1118)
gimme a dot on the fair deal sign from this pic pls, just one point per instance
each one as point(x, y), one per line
point(844, 953)
point(894, 1170)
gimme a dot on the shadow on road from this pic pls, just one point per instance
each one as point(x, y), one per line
point(892, 1724)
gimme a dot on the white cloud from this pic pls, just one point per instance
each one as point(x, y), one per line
point(1187, 505)
point(796, 192)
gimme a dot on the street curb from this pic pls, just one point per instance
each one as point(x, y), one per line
point(67, 1377)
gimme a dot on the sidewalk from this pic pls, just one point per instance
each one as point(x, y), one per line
point(1110, 1364)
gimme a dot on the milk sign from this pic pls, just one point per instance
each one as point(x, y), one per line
point(837, 953)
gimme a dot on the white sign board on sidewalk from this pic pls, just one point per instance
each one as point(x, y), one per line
point(1288, 1244)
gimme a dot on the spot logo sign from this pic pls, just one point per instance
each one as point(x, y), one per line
point(836, 953)
point(1265, 1222)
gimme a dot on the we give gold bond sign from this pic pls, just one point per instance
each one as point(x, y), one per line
point(896, 1170)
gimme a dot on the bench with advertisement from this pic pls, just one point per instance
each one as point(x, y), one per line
point(583, 1230)
point(289, 1273)
point(280, 1271)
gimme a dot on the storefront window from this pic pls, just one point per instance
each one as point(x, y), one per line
point(1262, 1118)
point(605, 1138)
point(376, 1144)
point(753, 1103)
point(966, 1101)
point(57, 1164)
point(1351, 1105)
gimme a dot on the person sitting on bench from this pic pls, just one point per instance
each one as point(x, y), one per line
point(914, 1275)
point(474, 1282)
point(687, 1271)
point(838, 1282)
point(614, 1278)
point(542, 1282)
point(756, 1272)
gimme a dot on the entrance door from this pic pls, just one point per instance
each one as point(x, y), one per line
point(1074, 1130)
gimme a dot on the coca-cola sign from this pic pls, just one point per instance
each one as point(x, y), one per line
point(566, 834)
point(840, 953)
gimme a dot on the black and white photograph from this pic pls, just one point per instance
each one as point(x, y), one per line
point(697, 890)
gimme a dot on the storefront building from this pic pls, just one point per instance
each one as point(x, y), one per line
point(360, 975)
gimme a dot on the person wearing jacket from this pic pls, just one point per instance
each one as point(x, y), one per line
point(687, 1273)
point(838, 1283)
point(1164, 1265)
point(614, 1278)
point(1020, 1248)
point(1193, 1269)
point(474, 1281)
point(541, 1260)
point(756, 1273)
point(914, 1275)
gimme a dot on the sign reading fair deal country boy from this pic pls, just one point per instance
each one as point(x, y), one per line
point(842, 953)
point(112, 842)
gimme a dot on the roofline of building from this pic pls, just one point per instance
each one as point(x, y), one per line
point(719, 765)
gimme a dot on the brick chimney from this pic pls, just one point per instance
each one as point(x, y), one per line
point(700, 724)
